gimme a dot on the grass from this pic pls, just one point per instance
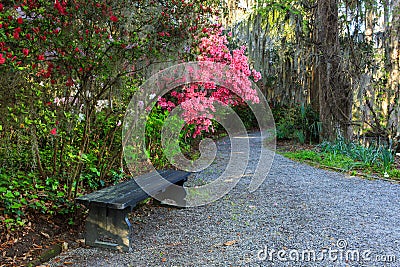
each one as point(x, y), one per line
point(321, 158)
point(346, 163)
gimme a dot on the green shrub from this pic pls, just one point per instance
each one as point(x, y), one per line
point(161, 155)
point(247, 116)
point(300, 123)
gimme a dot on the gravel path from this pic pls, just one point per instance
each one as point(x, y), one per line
point(298, 211)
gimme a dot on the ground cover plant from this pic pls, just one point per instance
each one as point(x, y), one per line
point(351, 157)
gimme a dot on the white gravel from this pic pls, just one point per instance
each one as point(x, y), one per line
point(298, 210)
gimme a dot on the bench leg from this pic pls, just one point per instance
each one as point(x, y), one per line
point(173, 195)
point(109, 228)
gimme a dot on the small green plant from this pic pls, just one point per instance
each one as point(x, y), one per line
point(300, 123)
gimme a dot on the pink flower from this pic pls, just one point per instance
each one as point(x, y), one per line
point(256, 75)
point(1, 7)
point(53, 131)
point(2, 59)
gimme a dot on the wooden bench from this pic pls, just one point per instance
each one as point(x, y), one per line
point(107, 224)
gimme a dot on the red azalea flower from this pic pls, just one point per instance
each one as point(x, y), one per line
point(16, 32)
point(53, 131)
point(1, 7)
point(113, 18)
point(69, 82)
point(20, 20)
point(2, 59)
point(41, 57)
point(60, 7)
point(25, 51)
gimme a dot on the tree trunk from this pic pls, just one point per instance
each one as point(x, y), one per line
point(334, 93)
point(394, 66)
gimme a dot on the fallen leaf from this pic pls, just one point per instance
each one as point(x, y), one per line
point(45, 235)
point(68, 262)
point(36, 246)
point(230, 243)
point(64, 246)
point(164, 259)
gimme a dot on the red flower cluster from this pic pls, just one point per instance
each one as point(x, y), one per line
point(16, 32)
point(2, 59)
point(53, 131)
point(61, 7)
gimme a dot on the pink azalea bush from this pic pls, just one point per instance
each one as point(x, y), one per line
point(198, 99)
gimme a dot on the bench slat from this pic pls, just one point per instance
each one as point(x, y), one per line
point(128, 193)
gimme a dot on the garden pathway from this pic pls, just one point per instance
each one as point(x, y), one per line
point(300, 216)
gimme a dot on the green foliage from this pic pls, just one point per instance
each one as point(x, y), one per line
point(247, 116)
point(351, 156)
point(325, 159)
point(367, 156)
point(161, 155)
point(299, 123)
point(22, 193)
